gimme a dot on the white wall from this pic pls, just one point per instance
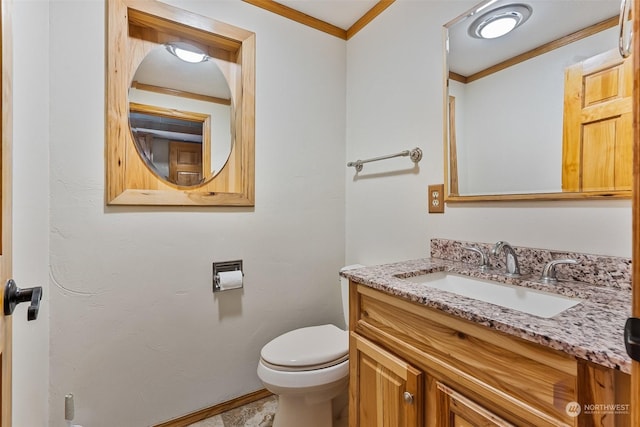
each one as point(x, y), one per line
point(136, 333)
point(396, 105)
point(524, 153)
point(31, 209)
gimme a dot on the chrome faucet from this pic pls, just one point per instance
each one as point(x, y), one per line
point(484, 259)
point(549, 270)
point(511, 261)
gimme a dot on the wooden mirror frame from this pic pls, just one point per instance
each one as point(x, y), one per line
point(129, 181)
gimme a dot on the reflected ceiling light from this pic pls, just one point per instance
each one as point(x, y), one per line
point(187, 52)
point(500, 21)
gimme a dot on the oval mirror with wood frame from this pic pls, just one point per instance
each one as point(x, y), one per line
point(180, 115)
point(181, 108)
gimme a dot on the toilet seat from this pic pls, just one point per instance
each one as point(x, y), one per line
point(298, 381)
point(306, 349)
point(304, 368)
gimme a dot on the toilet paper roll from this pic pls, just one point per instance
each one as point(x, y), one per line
point(230, 280)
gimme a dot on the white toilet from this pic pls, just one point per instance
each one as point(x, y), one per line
point(308, 369)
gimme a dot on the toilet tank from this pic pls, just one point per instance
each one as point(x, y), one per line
point(344, 287)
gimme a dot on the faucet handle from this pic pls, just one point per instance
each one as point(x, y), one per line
point(484, 259)
point(549, 271)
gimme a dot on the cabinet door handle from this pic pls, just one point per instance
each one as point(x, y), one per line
point(408, 397)
point(624, 44)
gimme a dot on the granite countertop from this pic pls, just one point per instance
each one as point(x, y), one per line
point(591, 330)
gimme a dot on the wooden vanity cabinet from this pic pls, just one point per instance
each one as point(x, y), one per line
point(455, 410)
point(388, 391)
point(412, 366)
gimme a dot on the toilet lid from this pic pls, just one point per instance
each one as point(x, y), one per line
point(315, 345)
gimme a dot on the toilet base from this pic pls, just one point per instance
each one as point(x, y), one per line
point(296, 411)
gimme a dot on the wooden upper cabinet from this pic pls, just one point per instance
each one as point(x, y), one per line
point(597, 135)
point(387, 390)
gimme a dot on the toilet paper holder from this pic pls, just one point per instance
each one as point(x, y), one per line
point(219, 267)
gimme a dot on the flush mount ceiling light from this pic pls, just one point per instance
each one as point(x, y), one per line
point(187, 52)
point(500, 21)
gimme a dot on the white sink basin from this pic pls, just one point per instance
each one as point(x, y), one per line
point(519, 298)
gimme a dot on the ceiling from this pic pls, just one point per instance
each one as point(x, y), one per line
point(340, 18)
point(550, 20)
point(341, 13)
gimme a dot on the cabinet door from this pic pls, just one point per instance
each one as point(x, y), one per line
point(455, 410)
point(385, 391)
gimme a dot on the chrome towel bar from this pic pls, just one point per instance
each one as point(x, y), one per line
point(415, 155)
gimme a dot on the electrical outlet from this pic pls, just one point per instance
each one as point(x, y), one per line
point(436, 198)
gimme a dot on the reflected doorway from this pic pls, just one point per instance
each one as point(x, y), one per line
point(174, 144)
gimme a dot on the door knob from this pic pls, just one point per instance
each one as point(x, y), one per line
point(408, 397)
point(632, 338)
point(13, 296)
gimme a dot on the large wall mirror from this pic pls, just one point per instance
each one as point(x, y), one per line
point(542, 112)
point(180, 102)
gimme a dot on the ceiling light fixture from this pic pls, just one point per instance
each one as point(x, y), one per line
point(500, 21)
point(187, 52)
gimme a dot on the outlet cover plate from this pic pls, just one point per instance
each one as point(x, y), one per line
point(436, 198)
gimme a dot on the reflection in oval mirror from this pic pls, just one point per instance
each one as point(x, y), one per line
point(180, 114)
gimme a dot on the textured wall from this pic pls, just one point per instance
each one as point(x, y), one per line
point(396, 105)
point(136, 333)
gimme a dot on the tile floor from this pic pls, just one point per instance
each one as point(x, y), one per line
point(260, 414)
point(257, 414)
